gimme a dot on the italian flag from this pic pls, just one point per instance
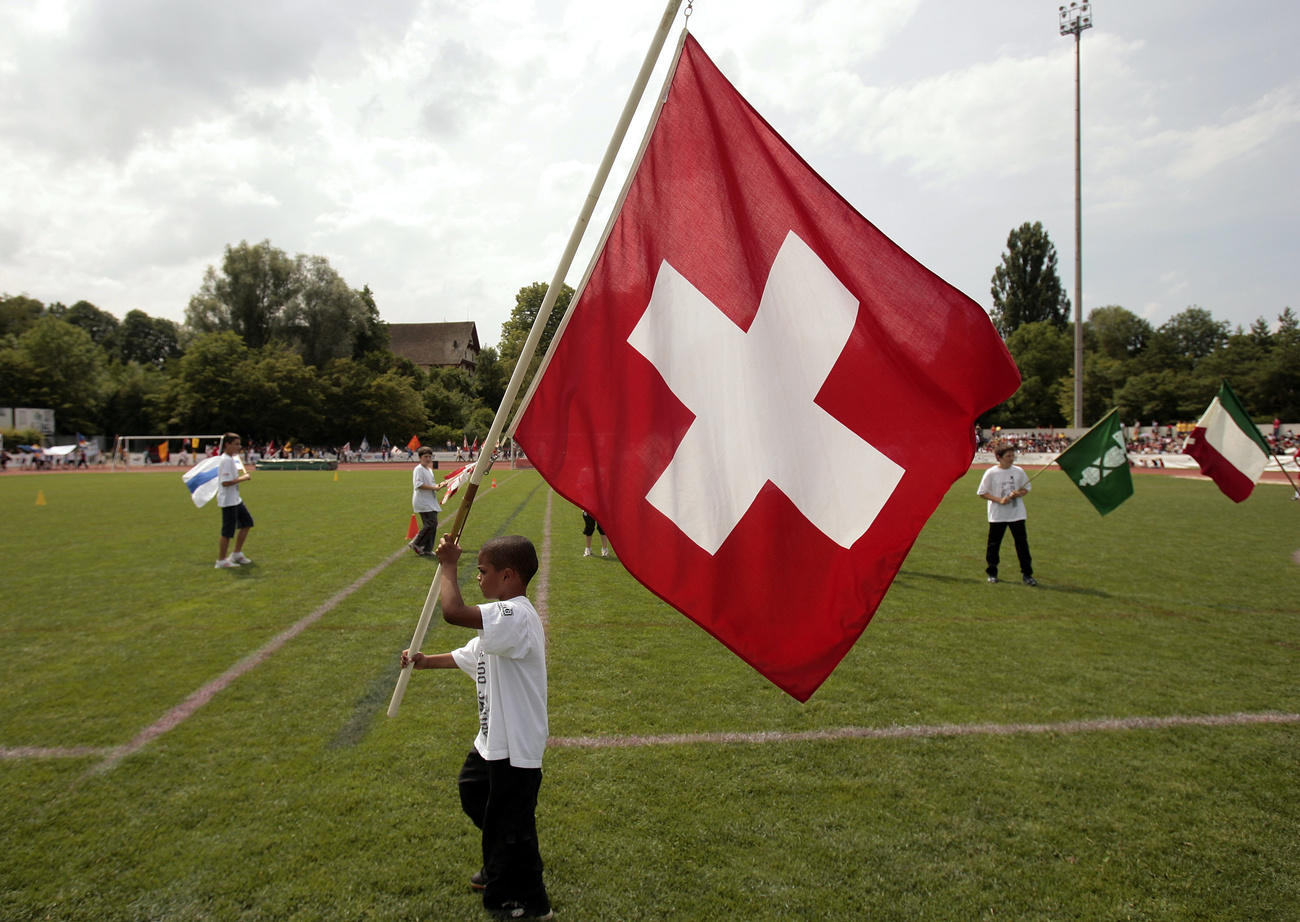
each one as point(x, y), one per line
point(1228, 446)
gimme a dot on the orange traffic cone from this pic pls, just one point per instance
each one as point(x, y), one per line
point(494, 483)
point(413, 529)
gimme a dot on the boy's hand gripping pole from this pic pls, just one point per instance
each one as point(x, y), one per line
point(431, 601)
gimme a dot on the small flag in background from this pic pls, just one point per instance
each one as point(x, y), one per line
point(1228, 446)
point(164, 451)
point(365, 445)
point(1098, 464)
point(201, 480)
point(756, 382)
point(414, 444)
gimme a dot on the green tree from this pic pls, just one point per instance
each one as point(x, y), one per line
point(18, 313)
point(324, 318)
point(1043, 353)
point(206, 392)
point(490, 379)
point(514, 332)
point(248, 296)
point(1279, 377)
point(281, 397)
point(102, 326)
point(1116, 332)
point(1026, 287)
point(57, 365)
point(148, 340)
point(372, 335)
point(1193, 334)
point(395, 407)
point(131, 399)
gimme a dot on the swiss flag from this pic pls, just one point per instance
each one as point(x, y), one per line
point(759, 395)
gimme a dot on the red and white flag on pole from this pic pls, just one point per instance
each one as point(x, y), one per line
point(452, 482)
point(759, 395)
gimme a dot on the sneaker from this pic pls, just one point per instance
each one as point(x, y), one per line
point(604, 552)
point(586, 552)
point(1030, 581)
point(520, 911)
point(993, 579)
point(226, 564)
point(239, 558)
point(476, 881)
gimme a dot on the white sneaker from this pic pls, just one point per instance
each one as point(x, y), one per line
point(586, 552)
point(226, 564)
point(239, 558)
point(604, 552)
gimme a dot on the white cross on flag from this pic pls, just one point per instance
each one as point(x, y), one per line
point(758, 395)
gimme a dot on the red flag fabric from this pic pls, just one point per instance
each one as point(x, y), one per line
point(452, 482)
point(413, 444)
point(759, 395)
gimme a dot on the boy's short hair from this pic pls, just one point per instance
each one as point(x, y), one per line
point(513, 551)
point(424, 450)
point(228, 438)
point(1000, 446)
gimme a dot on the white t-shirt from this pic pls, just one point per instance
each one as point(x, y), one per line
point(999, 482)
point(424, 500)
point(507, 661)
point(228, 468)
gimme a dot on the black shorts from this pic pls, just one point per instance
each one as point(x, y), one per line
point(589, 525)
point(234, 518)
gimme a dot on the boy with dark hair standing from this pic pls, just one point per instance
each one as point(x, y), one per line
point(1004, 486)
point(503, 772)
point(424, 502)
point(235, 518)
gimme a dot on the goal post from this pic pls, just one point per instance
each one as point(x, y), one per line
point(123, 445)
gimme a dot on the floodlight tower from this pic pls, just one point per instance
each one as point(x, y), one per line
point(1076, 17)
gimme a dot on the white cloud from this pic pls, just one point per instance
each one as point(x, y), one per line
point(440, 152)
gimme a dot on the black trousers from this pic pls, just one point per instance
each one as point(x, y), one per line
point(1018, 535)
point(501, 800)
point(427, 539)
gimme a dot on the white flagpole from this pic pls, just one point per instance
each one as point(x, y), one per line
point(484, 461)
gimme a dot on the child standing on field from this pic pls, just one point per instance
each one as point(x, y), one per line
point(502, 774)
point(589, 527)
point(424, 502)
point(1004, 486)
point(235, 517)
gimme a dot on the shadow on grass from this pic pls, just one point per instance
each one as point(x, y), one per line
point(905, 575)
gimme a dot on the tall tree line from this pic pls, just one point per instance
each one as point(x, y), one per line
point(1164, 373)
point(281, 347)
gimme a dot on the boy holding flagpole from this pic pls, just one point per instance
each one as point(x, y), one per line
point(502, 774)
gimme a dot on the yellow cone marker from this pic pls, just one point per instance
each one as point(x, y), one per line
point(40, 497)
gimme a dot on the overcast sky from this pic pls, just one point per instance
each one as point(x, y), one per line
point(439, 152)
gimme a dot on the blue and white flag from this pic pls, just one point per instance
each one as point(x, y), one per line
point(201, 480)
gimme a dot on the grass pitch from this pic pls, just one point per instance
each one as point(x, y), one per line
point(289, 794)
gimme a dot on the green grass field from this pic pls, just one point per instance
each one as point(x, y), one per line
point(290, 794)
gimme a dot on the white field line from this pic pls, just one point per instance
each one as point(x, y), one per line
point(1106, 724)
point(112, 755)
point(197, 699)
point(922, 732)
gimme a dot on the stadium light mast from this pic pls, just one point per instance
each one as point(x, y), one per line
point(1076, 17)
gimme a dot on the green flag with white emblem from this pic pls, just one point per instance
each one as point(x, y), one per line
point(1098, 464)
